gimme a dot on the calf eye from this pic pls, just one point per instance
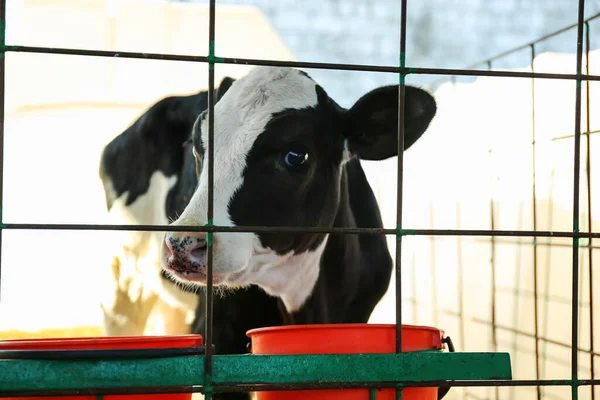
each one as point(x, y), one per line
point(296, 159)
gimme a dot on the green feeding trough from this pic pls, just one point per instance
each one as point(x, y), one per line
point(172, 367)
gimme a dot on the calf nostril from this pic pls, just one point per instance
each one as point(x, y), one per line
point(187, 249)
point(198, 254)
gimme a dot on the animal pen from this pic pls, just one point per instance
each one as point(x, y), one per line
point(202, 369)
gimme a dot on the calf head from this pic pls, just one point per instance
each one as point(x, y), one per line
point(280, 144)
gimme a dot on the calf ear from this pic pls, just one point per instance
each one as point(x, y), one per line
point(372, 122)
point(224, 86)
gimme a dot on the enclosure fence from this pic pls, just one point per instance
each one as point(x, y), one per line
point(531, 48)
point(311, 380)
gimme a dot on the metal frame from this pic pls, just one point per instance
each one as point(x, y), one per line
point(403, 71)
point(583, 31)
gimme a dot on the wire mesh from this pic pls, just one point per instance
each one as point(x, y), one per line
point(497, 237)
point(581, 303)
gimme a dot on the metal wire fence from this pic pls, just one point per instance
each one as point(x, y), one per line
point(403, 69)
point(582, 258)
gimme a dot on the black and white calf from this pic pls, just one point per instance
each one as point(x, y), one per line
point(286, 154)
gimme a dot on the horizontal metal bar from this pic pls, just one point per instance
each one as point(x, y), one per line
point(411, 70)
point(284, 229)
point(572, 136)
point(532, 336)
point(461, 383)
point(557, 299)
point(499, 74)
point(536, 41)
point(522, 47)
point(221, 388)
point(106, 391)
point(104, 53)
point(517, 242)
point(299, 64)
point(28, 375)
point(481, 321)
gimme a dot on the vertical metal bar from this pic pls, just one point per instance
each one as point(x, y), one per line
point(493, 263)
point(461, 303)
point(576, 177)
point(588, 168)
point(209, 254)
point(2, 94)
point(373, 394)
point(535, 225)
point(400, 181)
point(581, 255)
point(493, 277)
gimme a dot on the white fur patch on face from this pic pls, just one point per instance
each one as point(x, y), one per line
point(241, 115)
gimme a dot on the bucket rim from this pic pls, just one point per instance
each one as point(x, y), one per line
point(350, 326)
point(92, 340)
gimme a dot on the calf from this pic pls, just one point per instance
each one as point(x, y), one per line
point(286, 154)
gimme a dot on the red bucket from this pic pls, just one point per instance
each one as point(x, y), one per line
point(106, 343)
point(344, 339)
